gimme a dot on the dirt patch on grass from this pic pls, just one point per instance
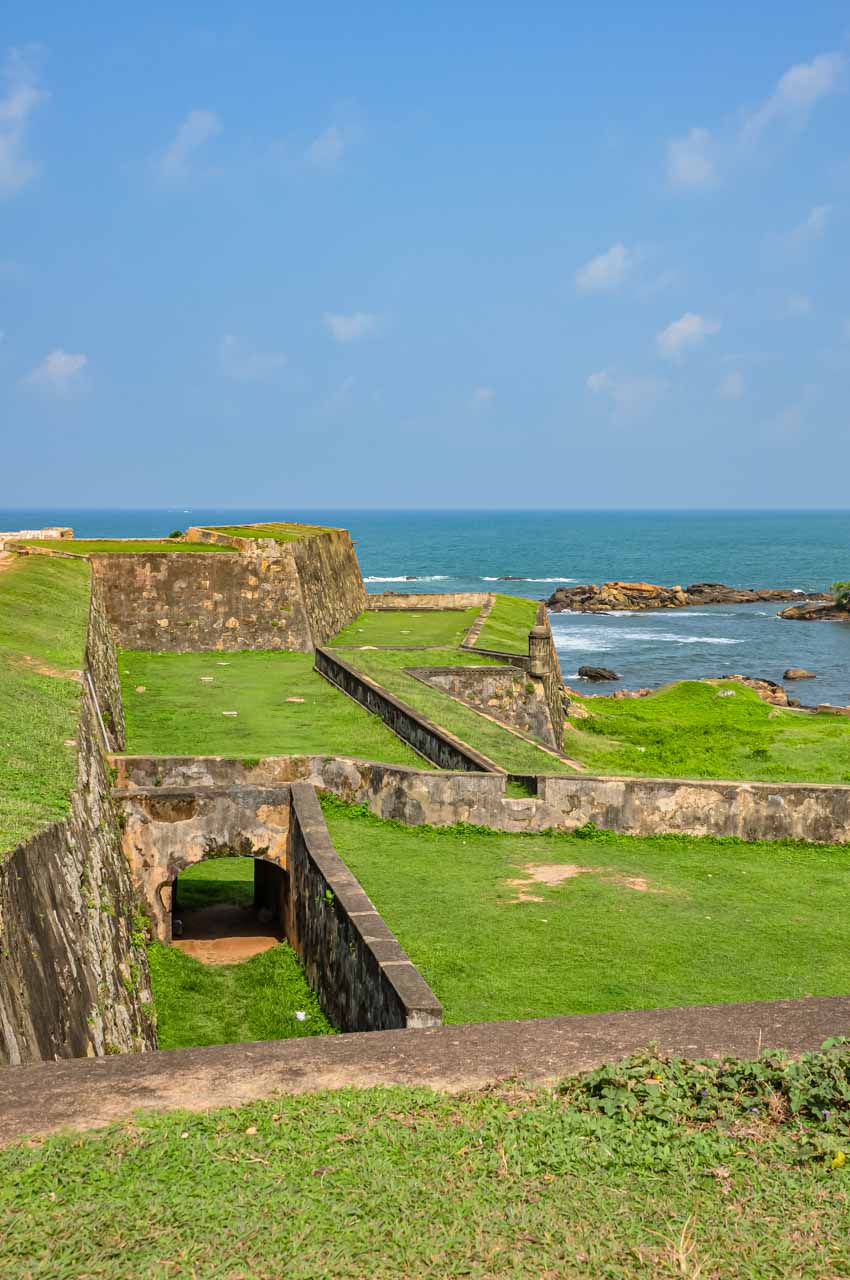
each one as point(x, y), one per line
point(45, 669)
point(552, 874)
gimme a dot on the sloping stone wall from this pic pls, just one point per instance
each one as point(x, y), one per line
point(74, 977)
point(268, 596)
point(102, 666)
point(506, 693)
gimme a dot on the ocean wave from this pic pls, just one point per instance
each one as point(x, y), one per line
point(404, 577)
point(603, 639)
point(487, 578)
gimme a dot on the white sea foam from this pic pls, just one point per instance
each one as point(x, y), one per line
point(403, 577)
point(603, 639)
point(489, 578)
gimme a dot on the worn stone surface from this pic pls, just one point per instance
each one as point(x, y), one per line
point(590, 598)
point(635, 806)
point(42, 1099)
point(506, 693)
point(73, 978)
point(431, 600)
point(268, 596)
point(102, 667)
point(816, 613)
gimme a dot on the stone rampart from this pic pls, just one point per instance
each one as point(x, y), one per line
point(74, 976)
point(270, 596)
point(507, 693)
point(102, 667)
point(388, 600)
point(633, 806)
point(428, 739)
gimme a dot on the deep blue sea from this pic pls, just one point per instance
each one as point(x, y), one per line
point(471, 550)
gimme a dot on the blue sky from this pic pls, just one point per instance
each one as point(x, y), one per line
point(437, 255)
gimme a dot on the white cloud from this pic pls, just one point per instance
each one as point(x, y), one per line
point(197, 128)
point(815, 224)
point(797, 92)
point(684, 334)
point(243, 363)
point(326, 151)
point(482, 396)
point(608, 271)
point(59, 373)
point(361, 324)
point(733, 386)
point(22, 97)
point(630, 397)
point(691, 160)
point(798, 304)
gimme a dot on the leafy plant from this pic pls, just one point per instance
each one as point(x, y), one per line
point(841, 595)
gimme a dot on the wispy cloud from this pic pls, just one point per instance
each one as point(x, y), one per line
point(630, 397)
point(327, 150)
point(243, 363)
point(701, 158)
point(351, 328)
point(60, 373)
point(198, 127)
point(797, 93)
point(482, 396)
point(607, 271)
point(691, 161)
point(685, 334)
point(798, 305)
point(733, 386)
point(22, 96)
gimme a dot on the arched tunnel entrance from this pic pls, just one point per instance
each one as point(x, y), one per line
point(226, 909)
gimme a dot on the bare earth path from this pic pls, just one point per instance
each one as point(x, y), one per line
point(224, 934)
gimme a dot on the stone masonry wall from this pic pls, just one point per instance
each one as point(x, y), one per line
point(74, 977)
point(416, 600)
point(364, 980)
point(634, 806)
point(270, 596)
point(102, 666)
point(506, 693)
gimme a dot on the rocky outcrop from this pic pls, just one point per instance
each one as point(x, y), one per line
point(597, 673)
point(798, 673)
point(816, 613)
point(590, 598)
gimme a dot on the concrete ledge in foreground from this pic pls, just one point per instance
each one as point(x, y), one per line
point(87, 1093)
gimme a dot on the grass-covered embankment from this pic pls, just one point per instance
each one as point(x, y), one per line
point(407, 627)
point(186, 695)
point(107, 546)
point(652, 1168)
point(696, 730)
point(507, 625)
point(256, 999)
point(284, 531)
point(44, 606)
point(517, 926)
point(387, 668)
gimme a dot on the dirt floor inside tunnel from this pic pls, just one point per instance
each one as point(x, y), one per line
point(227, 910)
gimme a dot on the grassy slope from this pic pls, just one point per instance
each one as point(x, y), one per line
point(199, 1004)
point(501, 746)
point(180, 715)
point(408, 627)
point(728, 921)
point(96, 546)
point(279, 532)
point(507, 625)
point(686, 730)
point(699, 1177)
point(43, 614)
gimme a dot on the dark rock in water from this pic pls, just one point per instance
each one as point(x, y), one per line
point(410, 577)
point(815, 613)
point(590, 598)
point(512, 577)
point(798, 673)
point(597, 673)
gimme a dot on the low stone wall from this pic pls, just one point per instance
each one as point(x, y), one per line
point(364, 980)
point(634, 806)
point(102, 667)
point(506, 693)
point(416, 600)
point(435, 744)
point(74, 977)
point(267, 596)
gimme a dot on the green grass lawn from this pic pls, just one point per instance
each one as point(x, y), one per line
point(405, 627)
point(181, 711)
point(105, 546)
point(44, 605)
point(504, 748)
point(644, 923)
point(686, 730)
point(280, 532)
point(507, 625)
point(655, 1169)
point(217, 880)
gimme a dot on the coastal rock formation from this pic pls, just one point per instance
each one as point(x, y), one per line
point(597, 673)
point(816, 612)
point(798, 673)
point(590, 598)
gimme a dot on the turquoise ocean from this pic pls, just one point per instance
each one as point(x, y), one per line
point(473, 550)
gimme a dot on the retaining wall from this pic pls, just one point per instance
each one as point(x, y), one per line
point(74, 977)
point(506, 693)
point(435, 744)
point(634, 806)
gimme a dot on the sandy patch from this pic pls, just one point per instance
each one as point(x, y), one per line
point(554, 873)
point(45, 669)
point(224, 934)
